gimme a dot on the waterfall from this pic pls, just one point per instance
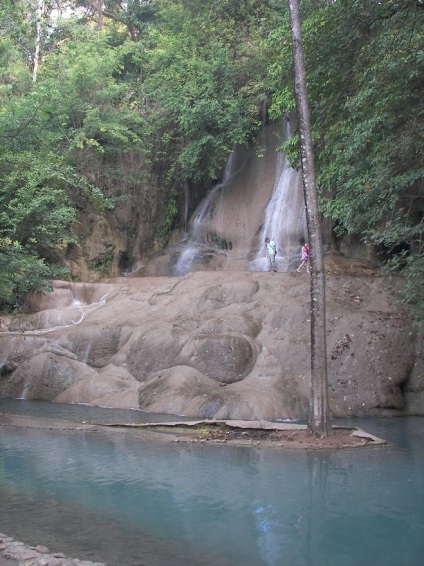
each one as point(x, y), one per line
point(259, 196)
point(197, 246)
point(49, 319)
point(285, 218)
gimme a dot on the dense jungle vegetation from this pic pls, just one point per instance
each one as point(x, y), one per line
point(112, 103)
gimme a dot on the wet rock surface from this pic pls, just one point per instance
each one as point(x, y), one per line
point(222, 345)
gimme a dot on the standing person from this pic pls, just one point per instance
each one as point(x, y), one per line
point(305, 258)
point(271, 252)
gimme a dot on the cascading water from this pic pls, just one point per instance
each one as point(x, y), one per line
point(58, 316)
point(228, 229)
point(285, 218)
point(197, 246)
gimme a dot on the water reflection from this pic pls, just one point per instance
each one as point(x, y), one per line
point(175, 504)
point(80, 412)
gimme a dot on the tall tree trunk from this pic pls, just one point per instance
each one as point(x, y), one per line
point(40, 12)
point(319, 414)
point(99, 9)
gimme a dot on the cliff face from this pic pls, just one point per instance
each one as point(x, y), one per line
point(223, 339)
point(259, 195)
point(232, 345)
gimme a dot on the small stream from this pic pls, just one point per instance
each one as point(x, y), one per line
point(131, 502)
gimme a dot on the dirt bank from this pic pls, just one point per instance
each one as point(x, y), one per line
point(236, 433)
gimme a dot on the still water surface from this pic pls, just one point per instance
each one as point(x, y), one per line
point(131, 502)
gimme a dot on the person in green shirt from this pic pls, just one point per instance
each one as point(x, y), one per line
point(271, 252)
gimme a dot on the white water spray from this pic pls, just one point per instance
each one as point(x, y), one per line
point(285, 218)
point(197, 241)
point(282, 220)
point(53, 319)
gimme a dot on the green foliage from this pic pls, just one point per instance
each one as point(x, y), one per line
point(277, 45)
point(15, 29)
point(412, 288)
point(102, 264)
point(134, 15)
point(365, 65)
point(204, 101)
point(21, 273)
point(169, 86)
point(169, 217)
point(35, 226)
point(82, 98)
point(34, 206)
point(40, 185)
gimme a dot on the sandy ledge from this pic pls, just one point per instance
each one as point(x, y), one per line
point(232, 432)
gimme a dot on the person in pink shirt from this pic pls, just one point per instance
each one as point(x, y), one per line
point(305, 258)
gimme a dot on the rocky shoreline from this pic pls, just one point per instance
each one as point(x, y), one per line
point(16, 553)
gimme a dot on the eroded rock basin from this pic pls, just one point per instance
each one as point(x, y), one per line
point(215, 345)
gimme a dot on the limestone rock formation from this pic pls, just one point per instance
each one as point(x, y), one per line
point(224, 345)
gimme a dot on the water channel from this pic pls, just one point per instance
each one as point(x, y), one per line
point(131, 502)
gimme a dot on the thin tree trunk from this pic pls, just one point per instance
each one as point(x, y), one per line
point(319, 415)
point(40, 12)
point(99, 14)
